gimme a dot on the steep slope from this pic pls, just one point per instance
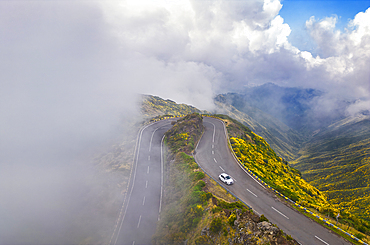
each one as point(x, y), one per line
point(337, 161)
point(334, 160)
point(288, 105)
point(295, 107)
point(196, 209)
point(256, 155)
point(285, 141)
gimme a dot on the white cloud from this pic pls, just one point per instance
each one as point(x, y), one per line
point(241, 42)
point(345, 56)
point(72, 70)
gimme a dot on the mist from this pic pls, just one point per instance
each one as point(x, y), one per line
point(72, 72)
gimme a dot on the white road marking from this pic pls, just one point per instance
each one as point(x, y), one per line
point(137, 151)
point(222, 168)
point(151, 139)
point(213, 152)
point(252, 193)
point(146, 184)
point(321, 240)
point(147, 170)
point(133, 176)
point(148, 158)
point(160, 198)
point(233, 178)
point(138, 223)
point(133, 243)
point(214, 132)
point(213, 146)
point(280, 212)
point(144, 200)
point(215, 160)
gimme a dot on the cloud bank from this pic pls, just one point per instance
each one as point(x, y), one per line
point(236, 43)
point(71, 72)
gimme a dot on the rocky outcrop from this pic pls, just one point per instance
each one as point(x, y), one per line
point(249, 229)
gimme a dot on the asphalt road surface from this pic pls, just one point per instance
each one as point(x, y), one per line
point(214, 156)
point(141, 212)
point(142, 207)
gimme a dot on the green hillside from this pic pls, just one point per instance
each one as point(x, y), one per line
point(153, 106)
point(334, 157)
point(337, 161)
point(256, 155)
point(199, 211)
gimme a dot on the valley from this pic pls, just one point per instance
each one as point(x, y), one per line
point(296, 149)
point(331, 152)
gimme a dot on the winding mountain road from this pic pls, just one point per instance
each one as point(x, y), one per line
point(214, 156)
point(141, 211)
point(138, 219)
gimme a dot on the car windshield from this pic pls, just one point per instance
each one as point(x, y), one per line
point(227, 177)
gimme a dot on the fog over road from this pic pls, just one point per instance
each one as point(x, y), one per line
point(141, 211)
point(214, 156)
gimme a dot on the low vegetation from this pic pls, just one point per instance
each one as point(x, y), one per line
point(154, 106)
point(196, 209)
point(256, 155)
point(337, 162)
point(185, 133)
point(333, 176)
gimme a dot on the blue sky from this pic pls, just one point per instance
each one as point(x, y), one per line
point(297, 12)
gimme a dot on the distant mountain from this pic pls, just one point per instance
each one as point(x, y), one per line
point(294, 107)
point(284, 140)
point(289, 105)
point(332, 151)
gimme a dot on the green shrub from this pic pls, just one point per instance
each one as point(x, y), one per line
point(263, 218)
point(216, 225)
point(360, 236)
point(197, 175)
point(196, 221)
point(231, 219)
point(233, 205)
point(196, 197)
point(201, 240)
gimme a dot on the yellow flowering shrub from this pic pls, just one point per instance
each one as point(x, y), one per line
point(262, 161)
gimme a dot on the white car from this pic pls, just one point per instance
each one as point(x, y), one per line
point(226, 179)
